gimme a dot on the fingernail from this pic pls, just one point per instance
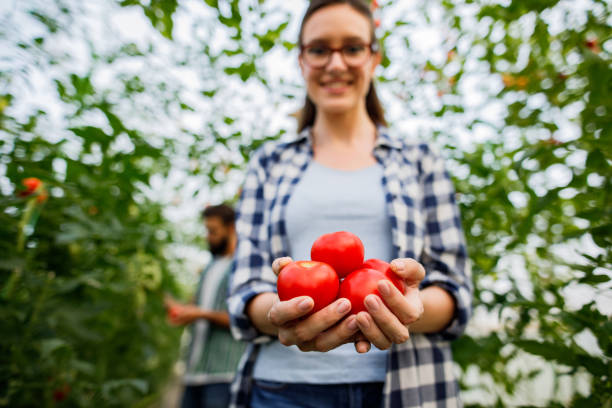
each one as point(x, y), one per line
point(352, 324)
point(372, 303)
point(343, 306)
point(384, 288)
point(305, 304)
point(399, 265)
point(364, 321)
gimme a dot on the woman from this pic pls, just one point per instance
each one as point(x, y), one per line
point(345, 171)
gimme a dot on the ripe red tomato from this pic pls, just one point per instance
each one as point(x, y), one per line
point(342, 250)
point(359, 284)
point(61, 393)
point(308, 278)
point(32, 184)
point(385, 268)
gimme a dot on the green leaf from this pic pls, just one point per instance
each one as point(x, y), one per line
point(269, 39)
point(212, 3)
point(52, 25)
point(12, 262)
point(597, 160)
point(563, 355)
point(159, 13)
point(595, 279)
point(245, 70)
point(110, 387)
point(49, 346)
point(289, 45)
point(210, 93)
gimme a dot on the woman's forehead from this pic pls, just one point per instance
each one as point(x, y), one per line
point(336, 23)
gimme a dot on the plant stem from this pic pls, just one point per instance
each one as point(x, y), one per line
point(21, 237)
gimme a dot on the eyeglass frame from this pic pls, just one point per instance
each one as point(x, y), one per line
point(372, 47)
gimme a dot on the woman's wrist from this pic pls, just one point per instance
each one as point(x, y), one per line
point(439, 310)
point(257, 311)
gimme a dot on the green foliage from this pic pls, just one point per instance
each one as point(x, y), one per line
point(544, 198)
point(159, 12)
point(82, 301)
point(84, 265)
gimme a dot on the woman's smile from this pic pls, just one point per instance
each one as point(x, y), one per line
point(336, 86)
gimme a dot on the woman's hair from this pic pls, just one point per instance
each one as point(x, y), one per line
point(374, 107)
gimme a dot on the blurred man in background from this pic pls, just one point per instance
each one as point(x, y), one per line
point(213, 354)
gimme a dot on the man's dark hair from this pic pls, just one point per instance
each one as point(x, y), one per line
point(225, 212)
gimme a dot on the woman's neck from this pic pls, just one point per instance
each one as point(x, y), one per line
point(343, 130)
point(344, 142)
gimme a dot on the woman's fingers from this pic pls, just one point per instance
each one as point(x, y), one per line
point(411, 271)
point(407, 307)
point(279, 263)
point(282, 313)
point(362, 345)
point(372, 332)
point(391, 317)
point(337, 335)
point(322, 320)
point(305, 333)
point(386, 321)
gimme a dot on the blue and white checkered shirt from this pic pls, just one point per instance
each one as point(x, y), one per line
point(425, 225)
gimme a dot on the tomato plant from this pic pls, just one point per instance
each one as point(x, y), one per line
point(385, 268)
point(359, 284)
point(309, 278)
point(342, 250)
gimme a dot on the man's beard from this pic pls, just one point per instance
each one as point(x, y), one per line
point(219, 248)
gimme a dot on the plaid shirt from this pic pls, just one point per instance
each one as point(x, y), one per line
point(425, 225)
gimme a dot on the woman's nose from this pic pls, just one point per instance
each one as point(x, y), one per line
point(336, 61)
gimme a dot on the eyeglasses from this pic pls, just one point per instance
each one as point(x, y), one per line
point(354, 55)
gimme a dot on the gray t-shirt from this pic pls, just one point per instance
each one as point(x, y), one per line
point(328, 200)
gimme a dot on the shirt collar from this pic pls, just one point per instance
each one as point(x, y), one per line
point(383, 138)
point(387, 139)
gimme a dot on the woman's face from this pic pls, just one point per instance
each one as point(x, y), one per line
point(337, 87)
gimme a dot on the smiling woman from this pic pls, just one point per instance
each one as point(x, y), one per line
point(345, 171)
point(337, 82)
point(321, 34)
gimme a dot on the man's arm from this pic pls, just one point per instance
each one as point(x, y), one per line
point(181, 314)
point(216, 317)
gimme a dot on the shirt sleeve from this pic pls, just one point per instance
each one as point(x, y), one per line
point(252, 273)
point(444, 253)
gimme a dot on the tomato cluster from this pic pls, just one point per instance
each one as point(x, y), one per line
point(337, 269)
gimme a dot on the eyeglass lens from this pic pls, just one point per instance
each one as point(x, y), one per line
point(352, 54)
